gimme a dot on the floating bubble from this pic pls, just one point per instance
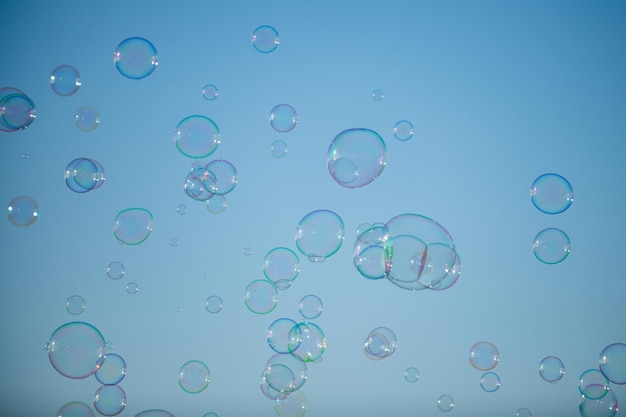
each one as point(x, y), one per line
point(551, 369)
point(307, 342)
point(593, 384)
point(279, 371)
point(310, 307)
point(445, 403)
point(490, 382)
point(613, 362)
point(154, 413)
point(76, 349)
point(75, 409)
point(283, 118)
point(285, 373)
point(210, 92)
point(451, 278)
point(181, 209)
point(65, 80)
point(356, 157)
point(210, 414)
point(213, 304)
point(403, 130)
point(196, 183)
point(133, 226)
point(17, 110)
point(378, 95)
point(523, 412)
point(484, 356)
point(380, 343)
point(369, 252)
point(25, 156)
point(284, 335)
point(265, 39)
point(22, 211)
point(278, 149)
point(194, 377)
point(75, 304)
point(411, 374)
point(425, 228)
point(87, 118)
point(261, 296)
point(115, 270)
point(224, 178)
point(112, 370)
point(84, 174)
point(110, 400)
point(281, 266)
point(132, 288)
point(197, 136)
point(551, 194)
point(247, 251)
point(606, 406)
point(293, 405)
point(551, 246)
point(135, 58)
point(319, 235)
point(174, 242)
point(217, 204)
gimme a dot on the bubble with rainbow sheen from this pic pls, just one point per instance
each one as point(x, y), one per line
point(283, 118)
point(293, 405)
point(285, 373)
point(403, 130)
point(613, 362)
point(484, 356)
point(281, 266)
point(224, 176)
point(132, 226)
point(22, 211)
point(356, 157)
point(265, 39)
point(76, 349)
point(551, 246)
point(135, 58)
point(261, 296)
point(551, 193)
point(607, 406)
point(194, 376)
point(17, 110)
point(283, 335)
point(310, 306)
point(112, 371)
point(593, 384)
point(197, 136)
point(65, 80)
point(307, 342)
point(551, 369)
point(319, 235)
point(110, 400)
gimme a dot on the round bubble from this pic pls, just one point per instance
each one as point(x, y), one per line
point(310, 307)
point(213, 304)
point(593, 384)
point(76, 349)
point(135, 58)
point(133, 226)
point(210, 414)
point(265, 39)
point(196, 183)
point(84, 174)
point(613, 362)
point(247, 251)
point(75, 409)
point(154, 413)
point(369, 252)
point(490, 382)
point(174, 242)
point(280, 337)
point(551, 194)
point(484, 356)
point(132, 288)
point(523, 412)
point(551, 246)
point(116, 270)
point(217, 204)
point(293, 405)
point(356, 157)
point(411, 374)
point(551, 369)
point(378, 95)
point(281, 266)
point(380, 343)
point(419, 226)
point(278, 149)
point(307, 342)
point(17, 110)
point(319, 235)
point(112, 370)
point(194, 377)
point(87, 118)
point(405, 257)
point(197, 136)
point(75, 304)
point(445, 403)
point(606, 406)
point(65, 80)
point(224, 177)
point(261, 296)
point(285, 373)
point(22, 211)
point(110, 400)
point(403, 130)
point(181, 209)
point(209, 92)
point(283, 118)
point(278, 372)
point(451, 278)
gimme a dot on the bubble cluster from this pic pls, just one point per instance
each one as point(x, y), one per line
point(356, 157)
point(65, 80)
point(135, 58)
point(17, 110)
point(283, 374)
point(380, 343)
point(133, 226)
point(22, 211)
point(132, 288)
point(265, 39)
point(194, 376)
point(84, 174)
point(551, 369)
point(319, 235)
point(378, 95)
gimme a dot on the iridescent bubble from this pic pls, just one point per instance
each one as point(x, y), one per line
point(411, 374)
point(380, 343)
point(247, 251)
point(75, 409)
point(484, 356)
point(319, 235)
point(265, 39)
point(275, 374)
point(307, 342)
point(445, 403)
point(310, 307)
point(593, 384)
point(356, 157)
point(197, 136)
point(278, 149)
point(261, 296)
point(17, 110)
point(76, 349)
point(613, 362)
point(174, 242)
point(293, 405)
point(213, 304)
point(133, 226)
point(109, 400)
point(210, 92)
point(285, 373)
point(283, 118)
point(403, 130)
point(224, 178)
point(551, 246)
point(425, 228)
point(194, 377)
point(196, 183)
point(606, 406)
point(75, 304)
point(369, 252)
point(280, 337)
point(83, 175)
point(451, 278)
point(378, 95)
point(65, 80)
point(490, 382)
point(551, 369)
point(112, 370)
point(87, 118)
point(115, 270)
point(154, 413)
point(217, 204)
point(132, 288)
point(22, 211)
point(281, 266)
point(523, 412)
point(135, 58)
point(551, 194)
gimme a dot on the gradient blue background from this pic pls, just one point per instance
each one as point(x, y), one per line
point(499, 93)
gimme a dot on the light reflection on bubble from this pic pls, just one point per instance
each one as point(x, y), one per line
point(76, 349)
point(484, 356)
point(197, 136)
point(284, 335)
point(403, 130)
point(109, 400)
point(75, 304)
point(445, 403)
point(593, 384)
point(135, 58)
point(278, 149)
point(411, 374)
point(22, 211)
point(607, 406)
point(293, 405)
point(378, 95)
point(319, 235)
point(551, 193)
point(116, 270)
point(65, 80)
point(194, 377)
point(356, 157)
point(210, 92)
point(265, 39)
point(281, 266)
point(380, 343)
point(283, 118)
point(87, 118)
point(551, 369)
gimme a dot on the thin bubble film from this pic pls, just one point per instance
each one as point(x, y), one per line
point(319, 235)
point(551, 193)
point(76, 349)
point(551, 369)
point(356, 157)
point(613, 362)
point(135, 58)
point(194, 376)
point(265, 39)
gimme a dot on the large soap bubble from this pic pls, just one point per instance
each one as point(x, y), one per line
point(17, 110)
point(380, 343)
point(319, 235)
point(22, 211)
point(484, 356)
point(76, 349)
point(613, 362)
point(356, 157)
point(135, 58)
point(551, 193)
point(197, 136)
point(133, 226)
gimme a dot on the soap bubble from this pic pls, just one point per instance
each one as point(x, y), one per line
point(378, 95)
point(213, 304)
point(84, 174)
point(132, 288)
point(210, 92)
point(411, 374)
point(356, 157)
point(403, 130)
point(196, 183)
point(319, 235)
point(523, 412)
point(310, 307)
point(613, 362)
point(285, 373)
point(490, 382)
point(369, 251)
point(380, 343)
point(551, 194)
point(283, 335)
point(293, 405)
point(154, 413)
point(75, 409)
point(307, 342)
point(551, 246)
point(133, 226)
point(261, 296)
point(247, 251)
point(76, 349)
point(115, 270)
point(484, 356)
point(281, 266)
point(197, 136)
point(87, 118)
point(283, 118)
point(65, 80)
point(181, 209)
point(606, 406)
point(135, 58)
point(112, 370)
point(75, 304)
point(278, 149)
point(22, 211)
point(224, 178)
point(593, 384)
point(551, 369)
point(17, 110)
point(265, 39)
point(194, 377)
point(216, 204)
point(445, 403)
point(110, 400)
point(174, 242)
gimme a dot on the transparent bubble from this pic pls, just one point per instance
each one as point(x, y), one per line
point(356, 157)
point(451, 278)
point(278, 149)
point(551, 369)
point(210, 414)
point(217, 204)
point(22, 211)
point(247, 251)
point(65, 80)
point(606, 406)
point(25, 156)
point(490, 382)
point(87, 118)
point(319, 235)
point(135, 58)
point(17, 110)
point(196, 183)
point(116, 270)
point(132, 288)
point(380, 343)
point(551, 194)
point(109, 400)
point(174, 242)
point(275, 374)
point(368, 251)
point(224, 177)
point(378, 95)
point(425, 228)
point(75, 409)
point(154, 413)
point(285, 373)
point(76, 349)
point(484, 356)
point(551, 246)
point(403, 130)
point(261, 296)
point(411, 374)
point(281, 266)
point(265, 39)
point(181, 209)
point(210, 92)
point(593, 384)
point(75, 304)
point(133, 226)
point(445, 403)
point(213, 304)
point(112, 370)
point(194, 377)
point(294, 405)
point(310, 307)
point(307, 342)
point(283, 118)
point(197, 136)
point(613, 362)
point(523, 412)
point(84, 174)
point(283, 335)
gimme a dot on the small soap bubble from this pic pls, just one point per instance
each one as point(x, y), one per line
point(174, 242)
point(213, 304)
point(135, 58)
point(613, 362)
point(247, 251)
point(310, 307)
point(411, 374)
point(75, 305)
point(281, 266)
point(261, 296)
point(293, 405)
point(319, 235)
point(490, 382)
point(356, 157)
point(445, 403)
point(112, 370)
point(551, 246)
point(551, 369)
point(181, 209)
point(65, 80)
point(87, 118)
point(378, 95)
point(523, 412)
point(380, 343)
point(132, 288)
point(209, 92)
point(109, 400)
point(217, 204)
point(76, 350)
point(22, 211)
point(403, 130)
point(194, 377)
point(484, 356)
point(265, 39)
point(283, 118)
point(278, 149)
point(133, 226)
point(115, 270)
point(197, 136)
point(75, 409)
point(551, 193)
